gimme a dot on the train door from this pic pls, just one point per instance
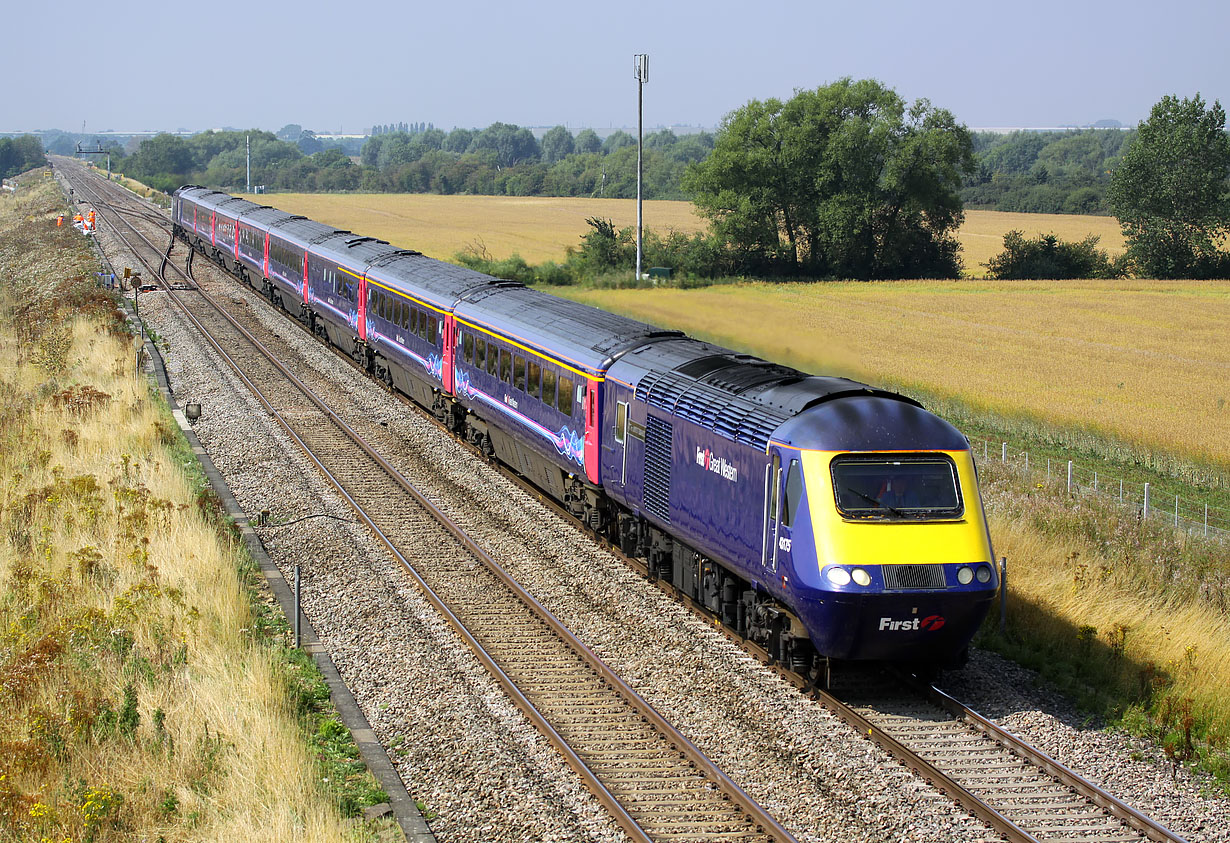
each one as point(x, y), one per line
point(619, 444)
point(783, 496)
point(448, 352)
point(592, 428)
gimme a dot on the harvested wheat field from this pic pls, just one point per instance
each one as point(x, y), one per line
point(1145, 361)
point(535, 227)
point(541, 228)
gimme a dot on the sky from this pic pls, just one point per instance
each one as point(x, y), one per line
point(133, 65)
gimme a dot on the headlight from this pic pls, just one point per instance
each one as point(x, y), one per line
point(861, 577)
point(838, 576)
point(983, 573)
point(965, 575)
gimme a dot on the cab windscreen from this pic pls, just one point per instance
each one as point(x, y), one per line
point(897, 487)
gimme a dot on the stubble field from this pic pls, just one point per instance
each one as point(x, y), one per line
point(541, 228)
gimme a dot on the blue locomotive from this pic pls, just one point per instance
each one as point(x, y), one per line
point(823, 518)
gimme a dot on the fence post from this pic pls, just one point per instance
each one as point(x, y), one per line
point(1145, 516)
point(1095, 482)
point(298, 594)
point(984, 450)
point(1027, 462)
point(1003, 452)
point(1176, 510)
point(1206, 520)
point(1048, 469)
point(1120, 491)
point(1069, 477)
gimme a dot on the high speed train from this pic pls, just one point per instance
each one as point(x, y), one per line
point(823, 518)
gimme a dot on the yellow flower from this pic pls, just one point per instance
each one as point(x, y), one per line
point(38, 810)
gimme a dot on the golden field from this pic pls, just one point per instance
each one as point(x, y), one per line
point(536, 228)
point(541, 228)
point(1147, 362)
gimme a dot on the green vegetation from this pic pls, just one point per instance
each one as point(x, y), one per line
point(1170, 193)
point(1046, 256)
point(1044, 172)
point(20, 154)
point(843, 181)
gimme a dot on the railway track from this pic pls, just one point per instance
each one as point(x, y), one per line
point(1018, 791)
point(655, 783)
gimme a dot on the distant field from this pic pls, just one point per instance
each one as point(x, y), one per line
point(541, 228)
point(1145, 361)
point(537, 228)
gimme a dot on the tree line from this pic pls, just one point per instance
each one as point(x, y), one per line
point(20, 154)
point(844, 181)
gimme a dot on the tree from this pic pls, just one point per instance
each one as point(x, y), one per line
point(556, 144)
point(840, 181)
point(587, 141)
point(1049, 257)
point(510, 144)
point(617, 140)
point(1170, 191)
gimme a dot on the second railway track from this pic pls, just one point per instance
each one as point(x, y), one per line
point(655, 783)
point(1048, 813)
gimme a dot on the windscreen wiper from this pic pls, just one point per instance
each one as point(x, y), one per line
point(877, 502)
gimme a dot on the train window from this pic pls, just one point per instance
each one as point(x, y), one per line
point(794, 494)
point(533, 374)
point(431, 328)
point(339, 286)
point(922, 486)
point(565, 395)
point(518, 381)
point(480, 353)
point(548, 387)
point(467, 346)
point(505, 365)
point(621, 422)
point(493, 358)
point(404, 319)
point(776, 482)
point(422, 330)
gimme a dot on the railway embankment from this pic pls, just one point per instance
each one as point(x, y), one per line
point(145, 679)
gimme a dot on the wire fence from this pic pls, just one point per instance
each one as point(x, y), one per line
point(1196, 517)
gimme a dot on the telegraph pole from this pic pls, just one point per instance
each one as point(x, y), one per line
point(642, 76)
point(247, 143)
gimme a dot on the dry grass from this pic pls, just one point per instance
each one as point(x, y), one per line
point(537, 228)
point(1129, 618)
point(1146, 362)
point(136, 700)
point(541, 228)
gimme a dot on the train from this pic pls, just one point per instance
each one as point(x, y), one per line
point(825, 519)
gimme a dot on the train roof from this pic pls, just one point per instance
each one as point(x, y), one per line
point(354, 250)
point(301, 230)
point(585, 336)
point(203, 196)
point(739, 396)
point(265, 217)
point(436, 282)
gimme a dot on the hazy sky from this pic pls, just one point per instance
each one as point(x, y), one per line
point(129, 65)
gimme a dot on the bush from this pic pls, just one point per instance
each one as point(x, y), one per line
point(1046, 256)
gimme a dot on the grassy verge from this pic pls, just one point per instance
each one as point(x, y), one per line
point(1127, 617)
point(145, 691)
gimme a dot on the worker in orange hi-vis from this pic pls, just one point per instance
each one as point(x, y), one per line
point(59, 220)
point(78, 220)
point(91, 219)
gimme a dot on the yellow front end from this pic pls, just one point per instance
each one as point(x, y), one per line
point(865, 542)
